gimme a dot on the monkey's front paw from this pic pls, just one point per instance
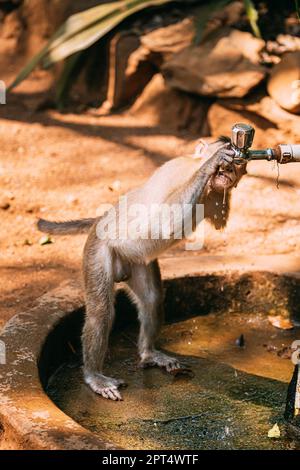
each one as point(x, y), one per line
point(226, 156)
point(157, 358)
point(107, 387)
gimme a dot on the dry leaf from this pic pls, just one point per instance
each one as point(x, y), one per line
point(280, 322)
point(274, 432)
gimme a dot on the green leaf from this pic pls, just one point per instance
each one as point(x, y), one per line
point(297, 5)
point(29, 68)
point(204, 15)
point(71, 70)
point(253, 17)
point(73, 25)
point(82, 30)
point(97, 29)
point(76, 23)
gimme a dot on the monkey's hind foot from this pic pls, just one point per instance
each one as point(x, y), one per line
point(157, 358)
point(107, 387)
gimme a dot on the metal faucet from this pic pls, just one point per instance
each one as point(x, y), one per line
point(242, 137)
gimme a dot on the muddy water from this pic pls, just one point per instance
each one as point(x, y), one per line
point(236, 396)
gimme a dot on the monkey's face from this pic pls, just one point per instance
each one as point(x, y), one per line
point(226, 179)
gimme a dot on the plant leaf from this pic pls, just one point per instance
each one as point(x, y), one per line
point(96, 30)
point(253, 17)
point(82, 30)
point(29, 68)
point(72, 68)
point(72, 25)
point(76, 23)
point(297, 5)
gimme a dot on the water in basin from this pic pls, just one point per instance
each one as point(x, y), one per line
point(236, 395)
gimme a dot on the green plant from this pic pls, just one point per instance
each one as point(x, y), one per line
point(297, 4)
point(83, 29)
point(252, 16)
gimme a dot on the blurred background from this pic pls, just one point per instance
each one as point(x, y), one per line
point(101, 93)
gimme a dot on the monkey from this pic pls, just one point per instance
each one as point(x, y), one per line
point(205, 178)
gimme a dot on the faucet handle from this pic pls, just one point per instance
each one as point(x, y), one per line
point(242, 136)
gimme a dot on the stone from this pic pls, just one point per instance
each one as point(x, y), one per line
point(11, 33)
point(134, 68)
point(169, 39)
point(171, 109)
point(226, 65)
point(221, 119)
point(284, 43)
point(284, 82)
point(267, 108)
point(127, 78)
point(135, 59)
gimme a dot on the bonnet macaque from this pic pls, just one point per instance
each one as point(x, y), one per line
point(206, 178)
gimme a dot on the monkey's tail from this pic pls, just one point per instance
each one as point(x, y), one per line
point(70, 227)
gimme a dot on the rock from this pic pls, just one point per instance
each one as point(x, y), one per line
point(170, 39)
point(267, 108)
point(225, 65)
point(127, 77)
point(284, 43)
point(171, 109)
point(134, 60)
point(11, 32)
point(221, 119)
point(284, 82)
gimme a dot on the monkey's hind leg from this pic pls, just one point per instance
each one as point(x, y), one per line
point(146, 291)
point(99, 290)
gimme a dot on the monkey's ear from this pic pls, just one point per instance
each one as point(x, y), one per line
point(216, 209)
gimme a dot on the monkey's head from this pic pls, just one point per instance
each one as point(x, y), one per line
point(219, 186)
point(229, 177)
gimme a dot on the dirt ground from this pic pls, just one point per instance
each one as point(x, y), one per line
point(62, 166)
